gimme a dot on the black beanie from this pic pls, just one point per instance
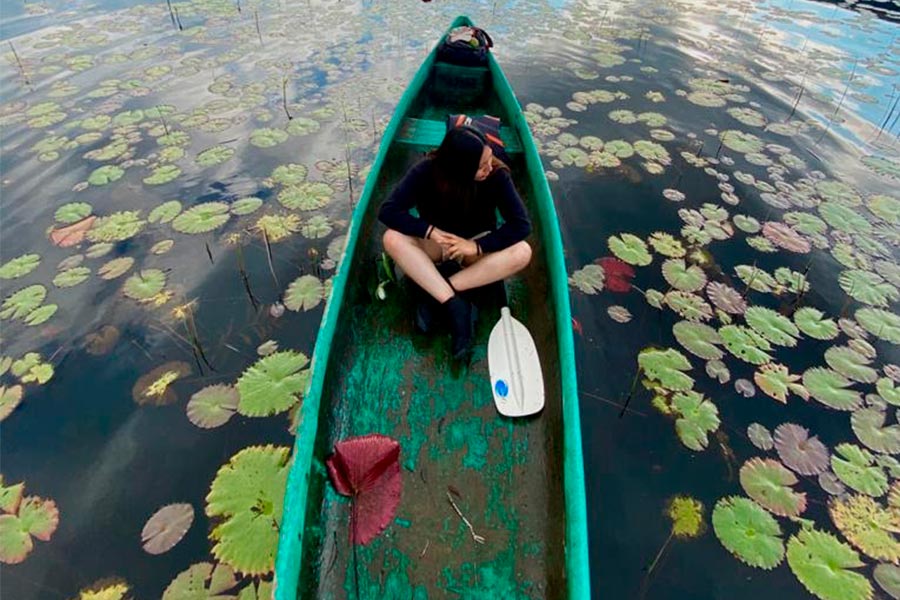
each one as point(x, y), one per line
point(460, 153)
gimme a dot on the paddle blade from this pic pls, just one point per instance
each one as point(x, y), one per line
point(515, 368)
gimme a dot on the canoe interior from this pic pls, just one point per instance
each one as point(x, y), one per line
point(384, 377)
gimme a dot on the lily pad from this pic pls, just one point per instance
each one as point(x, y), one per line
point(278, 227)
point(162, 174)
point(105, 174)
point(247, 497)
point(165, 212)
point(830, 388)
point(823, 565)
point(867, 525)
point(72, 212)
point(588, 279)
point(776, 328)
point(769, 483)
point(41, 315)
point(631, 249)
point(273, 384)
point(71, 277)
point(115, 267)
point(868, 288)
point(748, 532)
point(697, 417)
point(756, 278)
point(166, 527)
point(304, 293)
point(155, 387)
point(689, 306)
point(36, 518)
point(214, 156)
point(19, 266)
point(850, 364)
point(776, 381)
point(888, 577)
point(116, 227)
point(212, 406)
point(31, 369)
point(698, 339)
point(316, 227)
point(10, 397)
point(855, 467)
point(746, 344)
point(811, 322)
point(868, 425)
point(805, 455)
point(202, 218)
point(202, 582)
point(726, 298)
point(666, 244)
point(760, 436)
point(665, 366)
point(880, 323)
point(267, 137)
point(19, 304)
point(683, 277)
point(144, 284)
point(309, 195)
point(686, 514)
point(245, 206)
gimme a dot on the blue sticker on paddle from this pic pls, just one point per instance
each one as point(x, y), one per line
point(501, 388)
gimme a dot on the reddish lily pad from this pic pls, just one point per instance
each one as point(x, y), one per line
point(618, 274)
point(166, 527)
point(726, 298)
point(769, 483)
point(805, 455)
point(72, 235)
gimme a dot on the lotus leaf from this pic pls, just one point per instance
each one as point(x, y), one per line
point(822, 564)
point(10, 496)
point(698, 339)
point(212, 406)
point(267, 137)
point(811, 322)
point(105, 174)
point(760, 436)
point(247, 494)
point(746, 223)
point(805, 455)
point(155, 388)
point(30, 369)
point(882, 324)
point(202, 582)
point(850, 364)
point(41, 315)
point(72, 212)
point(854, 466)
point(36, 518)
point(888, 577)
point(619, 148)
point(214, 156)
point(19, 266)
point(682, 277)
point(574, 157)
point(22, 302)
point(776, 328)
point(652, 151)
point(588, 279)
point(769, 483)
point(166, 527)
point(316, 227)
point(165, 212)
point(631, 249)
point(71, 277)
point(273, 384)
point(868, 288)
point(756, 279)
point(748, 532)
point(687, 516)
point(667, 245)
point(776, 381)
point(304, 293)
point(746, 344)
point(9, 400)
point(844, 218)
point(116, 227)
point(302, 126)
point(830, 388)
point(885, 208)
point(888, 391)
point(849, 256)
point(665, 367)
point(144, 284)
point(174, 138)
point(868, 425)
point(115, 267)
point(202, 218)
point(697, 418)
point(308, 195)
point(726, 298)
point(689, 306)
point(739, 141)
point(162, 174)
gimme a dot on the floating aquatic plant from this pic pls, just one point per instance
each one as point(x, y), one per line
point(868, 287)
point(22, 302)
point(747, 531)
point(666, 244)
point(697, 417)
point(867, 525)
point(115, 267)
point(888, 577)
point(267, 137)
point(803, 454)
point(812, 323)
point(202, 581)
point(830, 388)
point(41, 315)
point(202, 218)
point(823, 565)
point(247, 497)
point(776, 328)
point(726, 298)
point(35, 518)
point(316, 227)
point(278, 227)
point(162, 174)
point(760, 436)
point(698, 339)
point(776, 381)
point(666, 366)
point(770, 484)
point(166, 527)
point(145, 285)
point(304, 293)
point(686, 514)
point(72, 235)
point(687, 278)
point(72, 212)
point(212, 406)
point(880, 323)
point(214, 156)
point(155, 388)
point(855, 467)
point(589, 279)
point(245, 206)
point(688, 306)
point(272, 384)
point(104, 590)
point(617, 274)
point(630, 249)
point(746, 344)
point(851, 364)
point(619, 314)
point(105, 174)
point(869, 426)
point(10, 397)
point(756, 278)
point(165, 212)
point(19, 266)
point(71, 277)
point(116, 227)
point(31, 369)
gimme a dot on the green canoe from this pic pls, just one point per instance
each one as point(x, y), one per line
point(519, 482)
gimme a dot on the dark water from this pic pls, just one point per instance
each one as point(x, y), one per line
point(109, 463)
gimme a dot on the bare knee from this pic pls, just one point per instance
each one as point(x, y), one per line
point(393, 241)
point(520, 253)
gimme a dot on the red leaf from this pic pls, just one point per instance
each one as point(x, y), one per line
point(576, 326)
point(367, 468)
point(618, 274)
point(72, 235)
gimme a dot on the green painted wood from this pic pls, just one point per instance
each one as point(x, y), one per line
point(429, 133)
point(520, 481)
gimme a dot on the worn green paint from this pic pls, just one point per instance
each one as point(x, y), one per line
point(371, 373)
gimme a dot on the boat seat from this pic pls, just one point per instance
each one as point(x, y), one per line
point(430, 133)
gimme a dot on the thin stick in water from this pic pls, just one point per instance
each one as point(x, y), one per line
point(269, 257)
point(284, 98)
point(258, 32)
point(634, 382)
point(19, 62)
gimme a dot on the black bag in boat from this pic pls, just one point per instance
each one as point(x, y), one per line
point(488, 125)
point(465, 46)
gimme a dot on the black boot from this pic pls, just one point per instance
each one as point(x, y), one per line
point(426, 306)
point(459, 313)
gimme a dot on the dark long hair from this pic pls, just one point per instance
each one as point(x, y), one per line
point(456, 162)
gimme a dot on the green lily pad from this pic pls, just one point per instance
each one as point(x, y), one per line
point(162, 174)
point(309, 195)
point(174, 138)
point(273, 384)
point(19, 266)
point(31, 369)
point(631, 249)
point(214, 156)
point(665, 367)
point(116, 227)
point(868, 425)
point(880, 323)
point(811, 322)
point(855, 467)
point(843, 218)
point(10, 496)
point(267, 137)
point(683, 277)
point(689, 306)
point(162, 246)
point(41, 315)
point(888, 391)
point(290, 174)
point(115, 267)
point(247, 497)
point(697, 418)
point(202, 582)
point(747, 531)
point(830, 388)
point(739, 141)
point(316, 227)
point(10, 397)
point(37, 518)
point(202, 218)
point(770, 484)
point(304, 293)
point(666, 244)
point(144, 284)
point(22, 302)
point(793, 281)
point(245, 206)
point(822, 563)
point(885, 208)
point(698, 339)
point(746, 224)
point(868, 288)
point(165, 212)
point(302, 126)
point(850, 364)
point(105, 174)
point(278, 227)
point(71, 277)
point(746, 344)
point(212, 406)
point(888, 577)
point(589, 279)
point(756, 278)
point(776, 328)
point(72, 212)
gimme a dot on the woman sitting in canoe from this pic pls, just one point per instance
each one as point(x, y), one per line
point(454, 245)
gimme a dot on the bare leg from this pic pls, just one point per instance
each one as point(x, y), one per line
point(493, 267)
point(417, 257)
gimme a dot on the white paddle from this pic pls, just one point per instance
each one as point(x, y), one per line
point(515, 369)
